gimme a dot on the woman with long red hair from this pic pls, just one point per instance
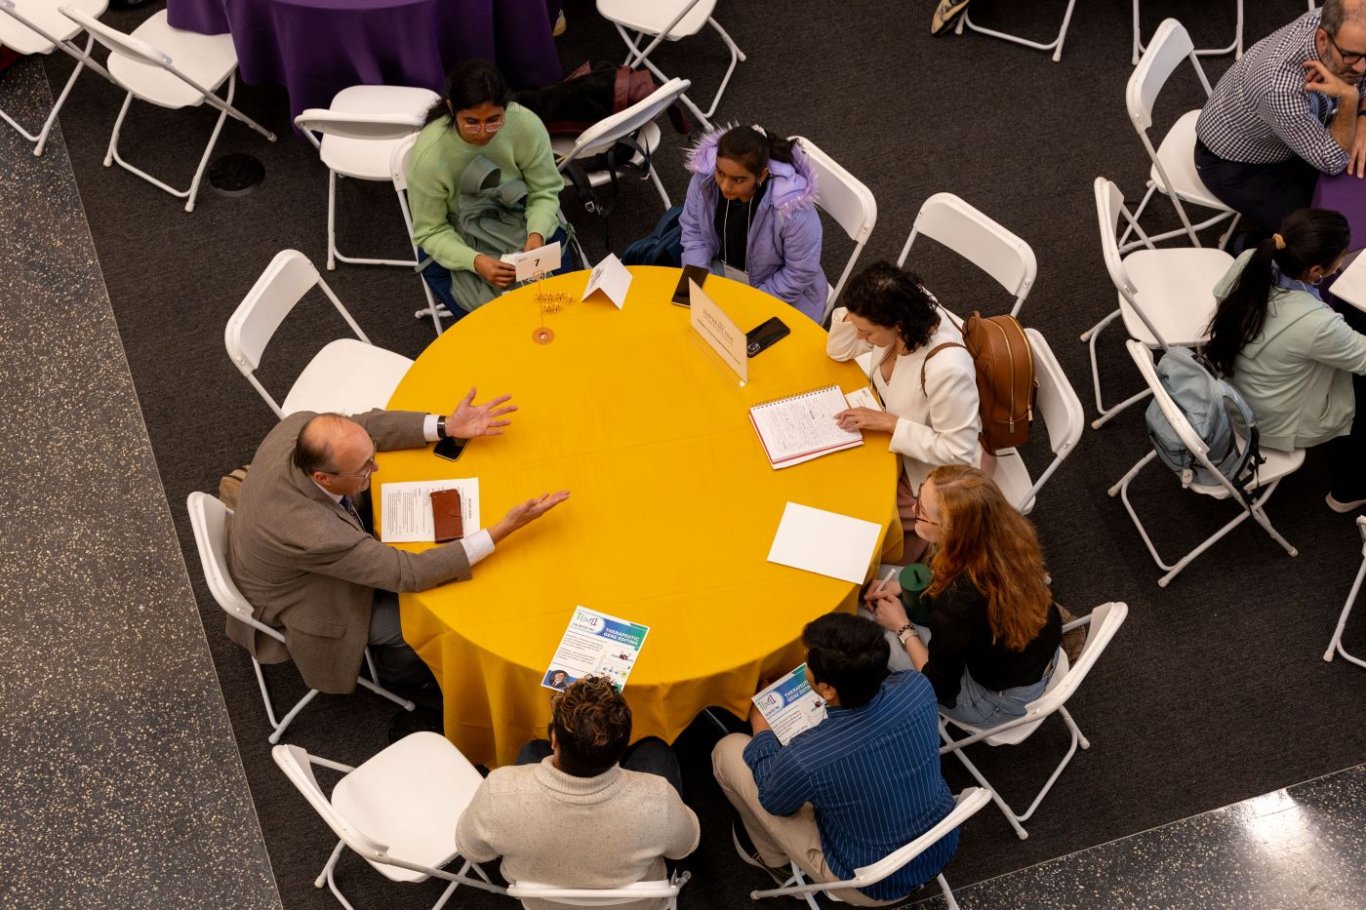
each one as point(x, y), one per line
point(993, 632)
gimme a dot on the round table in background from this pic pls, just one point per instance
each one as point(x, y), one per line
point(316, 48)
point(672, 509)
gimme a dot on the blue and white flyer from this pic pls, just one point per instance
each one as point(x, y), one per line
point(595, 644)
point(790, 706)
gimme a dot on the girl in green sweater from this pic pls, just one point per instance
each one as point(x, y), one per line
point(482, 183)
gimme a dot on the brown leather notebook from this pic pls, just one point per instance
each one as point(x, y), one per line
point(446, 515)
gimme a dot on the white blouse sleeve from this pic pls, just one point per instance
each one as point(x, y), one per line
point(843, 343)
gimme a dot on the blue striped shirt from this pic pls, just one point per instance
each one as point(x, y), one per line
point(872, 775)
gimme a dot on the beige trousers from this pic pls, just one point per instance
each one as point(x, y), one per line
point(778, 838)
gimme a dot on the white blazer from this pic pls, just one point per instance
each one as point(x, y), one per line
point(936, 426)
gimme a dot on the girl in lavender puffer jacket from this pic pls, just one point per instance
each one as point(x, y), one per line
point(751, 209)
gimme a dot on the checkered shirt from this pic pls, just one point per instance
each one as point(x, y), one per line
point(1261, 113)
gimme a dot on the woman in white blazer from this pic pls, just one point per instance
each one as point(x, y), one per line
point(913, 355)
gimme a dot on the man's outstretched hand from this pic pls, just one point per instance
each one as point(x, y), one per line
point(523, 514)
point(469, 420)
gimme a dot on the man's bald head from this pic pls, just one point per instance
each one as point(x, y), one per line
point(1335, 12)
point(320, 440)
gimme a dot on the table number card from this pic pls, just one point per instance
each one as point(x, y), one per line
point(537, 263)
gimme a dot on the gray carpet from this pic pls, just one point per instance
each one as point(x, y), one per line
point(1214, 690)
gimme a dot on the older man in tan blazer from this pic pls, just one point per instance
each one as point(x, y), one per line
point(301, 555)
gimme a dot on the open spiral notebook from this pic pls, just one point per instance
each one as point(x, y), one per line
point(802, 427)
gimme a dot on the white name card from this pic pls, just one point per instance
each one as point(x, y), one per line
point(610, 277)
point(719, 331)
point(535, 263)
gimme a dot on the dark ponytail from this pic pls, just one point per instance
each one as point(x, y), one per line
point(470, 84)
point(753, 148)
point(1308, 237)
point(890, 296)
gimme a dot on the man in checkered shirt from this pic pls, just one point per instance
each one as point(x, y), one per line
point(1285, 113)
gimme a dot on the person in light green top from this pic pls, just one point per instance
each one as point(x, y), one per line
point(481, 183)
point(1289, 354)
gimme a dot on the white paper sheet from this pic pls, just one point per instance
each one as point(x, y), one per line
point(826, 543)
point(595, 644)
point(535, 263)
point(610, 277)
point(863, 398)
point(1350, 286)
point(406, 508)
point(790, 706)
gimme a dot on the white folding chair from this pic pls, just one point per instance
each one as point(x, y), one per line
point(359, 131)
point(1173, 172)
point(993, 249)
point(347, 376)
point(636, 123)
point(1335, 645)
point(666, 890)
point(667, 20)
point(965, 805)
point(845, 199)
point(1236, 48)
point(965, 21)
point(397, 810)
point(1104, 621)
point(208, 520)
point(400, 159)
point(170, 68)
point(1268, 477)
point(1063, 417)
point(1166, 296)
point(36, 27)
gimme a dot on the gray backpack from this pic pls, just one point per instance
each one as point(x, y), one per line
point(1217, 412)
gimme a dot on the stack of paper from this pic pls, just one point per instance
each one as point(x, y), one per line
point(824, 542)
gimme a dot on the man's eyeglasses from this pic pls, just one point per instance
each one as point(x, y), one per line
point(370, 467)
point(1349, 58)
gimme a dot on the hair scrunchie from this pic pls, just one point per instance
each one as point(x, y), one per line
point(1278, 240)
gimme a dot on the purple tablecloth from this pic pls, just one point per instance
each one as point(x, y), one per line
point(316, 48)
point(1344, 193)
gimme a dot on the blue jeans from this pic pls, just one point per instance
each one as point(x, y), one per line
point(649, 756)
point(976, 704)
point(438, 277)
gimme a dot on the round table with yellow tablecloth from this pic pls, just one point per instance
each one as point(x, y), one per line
point(673, 504)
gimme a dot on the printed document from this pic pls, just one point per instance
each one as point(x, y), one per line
point(1350, 286)
point(826, 543)
point(790, 706)
point(595, 644)
point(803, 427)
point(406, 508)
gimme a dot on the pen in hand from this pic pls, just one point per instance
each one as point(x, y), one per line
point(878, 589)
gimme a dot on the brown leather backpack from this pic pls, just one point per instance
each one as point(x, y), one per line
point(1005, 377)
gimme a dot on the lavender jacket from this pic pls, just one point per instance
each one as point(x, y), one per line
point(784, 253)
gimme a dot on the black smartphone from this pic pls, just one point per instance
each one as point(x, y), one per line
point(682, 296)
point(763, 337)
point(449, 448)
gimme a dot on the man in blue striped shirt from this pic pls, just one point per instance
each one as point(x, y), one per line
point(863, 783)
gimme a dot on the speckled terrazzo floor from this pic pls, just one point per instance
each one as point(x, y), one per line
point(1302, 847)
point(122, 785)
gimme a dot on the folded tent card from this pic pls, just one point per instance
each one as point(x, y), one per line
point(611, 278)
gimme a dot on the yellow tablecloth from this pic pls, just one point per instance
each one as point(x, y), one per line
point(672, 510)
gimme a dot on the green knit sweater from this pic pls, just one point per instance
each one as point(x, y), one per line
point(520, 149)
